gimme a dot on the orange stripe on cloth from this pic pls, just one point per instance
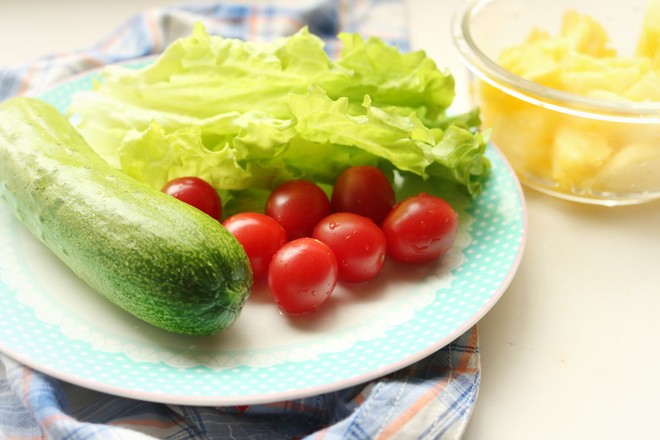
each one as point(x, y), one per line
point(54, 418)
point(154, 30)
point(394, 427)
point(91, 61)
point(27, 377)
point(253, 27)
point(25, 84)
point(320, 435)
point(46, 422)
point(429, 396)
point(467, 356)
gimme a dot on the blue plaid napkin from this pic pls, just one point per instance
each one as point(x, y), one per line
point(432, 398)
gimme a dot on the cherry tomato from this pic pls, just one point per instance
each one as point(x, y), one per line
point(357, 242)
point(196, 192)
point(261, 236)
point(302, 275)
point(420, 229)
point(363, 190)
point(298, 205)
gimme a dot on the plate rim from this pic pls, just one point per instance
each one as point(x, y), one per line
point(305, 391)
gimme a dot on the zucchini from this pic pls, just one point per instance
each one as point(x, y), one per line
point(154, 256)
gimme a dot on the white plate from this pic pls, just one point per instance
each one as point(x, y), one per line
point(53, 322)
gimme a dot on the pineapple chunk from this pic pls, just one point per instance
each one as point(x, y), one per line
point(584, 74)
point(647, 88)
point(633, 169)
point(578, 153)
point(648, 44)
point(523, 131)
point(585, 35)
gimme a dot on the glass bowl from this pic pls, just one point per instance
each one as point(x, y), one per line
point(592, 148)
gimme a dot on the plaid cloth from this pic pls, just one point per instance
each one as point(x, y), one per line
point(150, 32)
point(431, 399)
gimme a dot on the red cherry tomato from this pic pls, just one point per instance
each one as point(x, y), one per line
point(357, 242)
point(196, 192)
point(298, 205)
point(420, 229)
point(302, 275)
point(261, 236)
point(363, 190)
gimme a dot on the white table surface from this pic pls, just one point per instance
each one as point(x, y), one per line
point(569, 352)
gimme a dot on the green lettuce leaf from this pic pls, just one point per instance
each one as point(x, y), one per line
point(247, 116)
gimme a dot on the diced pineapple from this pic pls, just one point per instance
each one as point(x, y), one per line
point(585, 35)
point(633, 169)
point(581, 154)
point(648, 44)
point(583, 74)
point(579, 60)
point(523, 131)
point(536, 60)
point(578, 153)
point(647, 88)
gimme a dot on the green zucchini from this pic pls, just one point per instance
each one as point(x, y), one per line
point(154, 256)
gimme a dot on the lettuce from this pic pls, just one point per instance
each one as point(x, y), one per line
point(247, 116)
